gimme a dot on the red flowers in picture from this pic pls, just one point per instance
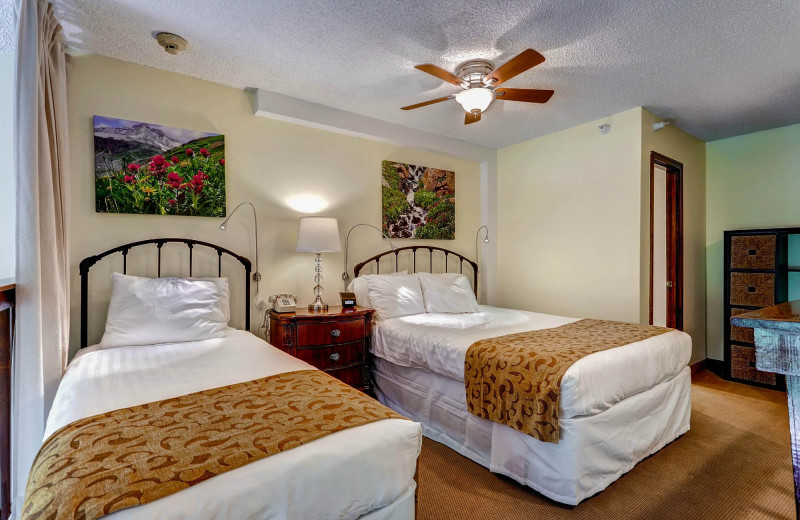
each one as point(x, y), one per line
point(153, 169)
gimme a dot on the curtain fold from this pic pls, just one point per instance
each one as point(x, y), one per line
point(41, 166)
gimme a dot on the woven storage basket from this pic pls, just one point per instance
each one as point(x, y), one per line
point(753, 251)
point(741, 334)
point(752, 289)
point(743, 366)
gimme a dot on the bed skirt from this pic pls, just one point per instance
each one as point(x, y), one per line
point(593, 451)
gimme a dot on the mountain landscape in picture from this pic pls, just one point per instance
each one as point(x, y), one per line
point(154, 169)
point(418, 202)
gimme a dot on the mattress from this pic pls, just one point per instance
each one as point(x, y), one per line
point(439, 342)
point(377, 459)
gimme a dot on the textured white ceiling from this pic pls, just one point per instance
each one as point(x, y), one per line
point(718, 68)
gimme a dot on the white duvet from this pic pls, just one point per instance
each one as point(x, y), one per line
point(343, 475)
point(439, 343)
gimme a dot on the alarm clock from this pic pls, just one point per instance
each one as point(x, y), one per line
point(348, 300)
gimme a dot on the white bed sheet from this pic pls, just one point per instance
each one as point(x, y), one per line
point(347, 474)
point(593, 450)
point(439, 343)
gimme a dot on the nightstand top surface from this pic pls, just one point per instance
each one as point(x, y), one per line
point(333, 311)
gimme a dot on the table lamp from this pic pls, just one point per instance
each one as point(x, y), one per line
point(318, 235)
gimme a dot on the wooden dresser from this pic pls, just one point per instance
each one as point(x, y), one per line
point(336, 341)
point(762, 267)
point(7, 298)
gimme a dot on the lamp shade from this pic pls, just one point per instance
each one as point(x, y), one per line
point(318, 235)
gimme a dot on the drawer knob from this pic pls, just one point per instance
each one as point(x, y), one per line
point(336, 333)
point(335, 356)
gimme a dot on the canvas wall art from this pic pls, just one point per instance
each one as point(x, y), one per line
point(418, 202)
point(154, 169)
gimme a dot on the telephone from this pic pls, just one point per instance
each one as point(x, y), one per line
point(283, 302)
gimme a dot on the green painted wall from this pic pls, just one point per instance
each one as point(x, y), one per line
point(752, 181)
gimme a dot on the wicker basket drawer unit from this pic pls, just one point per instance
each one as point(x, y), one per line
point(743, 366)
point(752, 289)
point(753, 251)
point(741, 334)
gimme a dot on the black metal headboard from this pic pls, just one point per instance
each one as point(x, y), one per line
point(89, 261)
point(396, 252)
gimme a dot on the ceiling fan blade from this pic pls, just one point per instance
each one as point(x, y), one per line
point(470, 118)
point(440, 73)
point(426, 103)
point(523, 61)
point(529, 95)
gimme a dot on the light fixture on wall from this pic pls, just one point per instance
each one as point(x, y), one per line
point(318, 235)
point(485, 239)
point(345, 274)
point(659, 125)
point(224, 226)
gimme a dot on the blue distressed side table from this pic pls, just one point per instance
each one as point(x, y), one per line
point(777, 335)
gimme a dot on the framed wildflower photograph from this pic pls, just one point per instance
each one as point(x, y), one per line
point(418, 201)
point(153, 169)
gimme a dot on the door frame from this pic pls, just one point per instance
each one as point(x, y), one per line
point(674, 236)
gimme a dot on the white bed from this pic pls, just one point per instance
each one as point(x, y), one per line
point(364, 472)
point(617, 406)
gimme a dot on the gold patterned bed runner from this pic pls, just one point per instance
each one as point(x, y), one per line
point(516, 379)
point(136, 455)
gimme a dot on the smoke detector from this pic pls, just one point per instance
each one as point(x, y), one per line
point(172, 43)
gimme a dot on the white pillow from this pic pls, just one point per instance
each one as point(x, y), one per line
point(447, 292)
point(395, 296)
point(359, 287)
point(147, 311)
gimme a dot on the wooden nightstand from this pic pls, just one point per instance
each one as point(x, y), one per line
point(336, 341)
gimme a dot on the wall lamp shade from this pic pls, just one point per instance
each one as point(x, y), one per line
point(318, 235)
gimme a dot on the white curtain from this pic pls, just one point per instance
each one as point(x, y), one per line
point(41, 166)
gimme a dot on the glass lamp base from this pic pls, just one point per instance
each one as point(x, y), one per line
point(318, 305)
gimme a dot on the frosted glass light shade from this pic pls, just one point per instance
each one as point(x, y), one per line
point(318, 235)
point(475, 99)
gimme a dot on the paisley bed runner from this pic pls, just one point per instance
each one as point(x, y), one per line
point(136, 455)
point(516, 379)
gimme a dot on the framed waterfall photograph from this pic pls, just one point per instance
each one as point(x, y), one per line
point(153, 169)
point(418, 201)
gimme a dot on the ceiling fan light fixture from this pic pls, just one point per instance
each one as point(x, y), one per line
point(473, 99)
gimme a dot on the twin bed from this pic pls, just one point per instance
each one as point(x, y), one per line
point(617, 407)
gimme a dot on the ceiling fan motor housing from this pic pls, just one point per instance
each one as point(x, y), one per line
point(472, 72)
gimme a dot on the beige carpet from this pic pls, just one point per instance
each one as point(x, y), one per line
point(735, 462)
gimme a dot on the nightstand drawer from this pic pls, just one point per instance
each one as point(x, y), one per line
point(353, 376)
point(333, 356)
point(312, 334)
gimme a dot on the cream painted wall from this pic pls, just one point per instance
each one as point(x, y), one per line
point(268, 162)
point(8, 205)
point(574, 221)
point(753, 181)
point(568, 234)
point(691, 152)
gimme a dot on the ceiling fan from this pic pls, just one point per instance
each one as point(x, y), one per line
point(479, 80)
